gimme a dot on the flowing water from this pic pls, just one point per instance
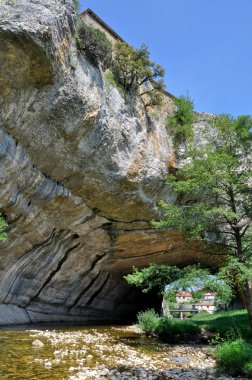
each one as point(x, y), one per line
point(78, 353)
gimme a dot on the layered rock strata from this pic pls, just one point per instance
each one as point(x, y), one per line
point(81, 170)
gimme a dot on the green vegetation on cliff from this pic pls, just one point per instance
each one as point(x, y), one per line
point(95, 45)
point(133, 69)
point(3, 226)
point(76, 4)
point(214, 199)
point(180, 123)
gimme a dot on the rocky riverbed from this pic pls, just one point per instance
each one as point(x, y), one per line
point(97, 353)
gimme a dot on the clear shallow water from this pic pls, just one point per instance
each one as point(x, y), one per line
point(66, 351)
point(97, 353)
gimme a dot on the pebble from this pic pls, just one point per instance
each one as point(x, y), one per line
point(106, 355)
point(48, 365)
point(37, 343)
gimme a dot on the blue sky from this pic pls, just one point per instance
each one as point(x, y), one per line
point(204, 45)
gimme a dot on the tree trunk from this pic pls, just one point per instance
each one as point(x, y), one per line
point(248, 298)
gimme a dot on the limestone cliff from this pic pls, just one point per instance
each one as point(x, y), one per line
point(81, 170)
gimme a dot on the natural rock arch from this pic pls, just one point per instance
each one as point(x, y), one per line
point(81, 171)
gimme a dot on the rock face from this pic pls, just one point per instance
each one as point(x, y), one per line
point(81, 170)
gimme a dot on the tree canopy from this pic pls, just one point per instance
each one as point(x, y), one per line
point(153, 277)
point(214, 197)
point(133, 69)
point(168, 280)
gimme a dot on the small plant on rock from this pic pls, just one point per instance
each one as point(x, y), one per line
point(180, 123)
point(95, 45)
point(3, 226)
point(76, 4)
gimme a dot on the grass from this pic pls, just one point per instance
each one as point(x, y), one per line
point(224, 323)
point(232, 336)
point(167, 328)
point(110, 79)
point(234, 358)
point(228, 325)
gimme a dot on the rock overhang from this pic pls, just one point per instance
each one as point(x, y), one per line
point(81, 171)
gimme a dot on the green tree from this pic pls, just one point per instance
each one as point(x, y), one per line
point(197, 294)
point(169, 280)
point(180, 123)
point(153, 277)
point(214, 198)
point(3, 226)
point(133, 68)
point(195, 277)
point(94, 44)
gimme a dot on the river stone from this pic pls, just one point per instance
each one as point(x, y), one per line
point(37, 343)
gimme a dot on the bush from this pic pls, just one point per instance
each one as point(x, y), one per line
point(76, 4)
point(180, 124)
point(248, 369)
point(133, 68)
point(234, 358)
point(147, 320)
point(95, 45)
point(167, 328)
point(110, 79)
point(3, 226)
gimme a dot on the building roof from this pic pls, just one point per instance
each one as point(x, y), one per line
point(183, 294)
point(102, 23)
point(210, 294)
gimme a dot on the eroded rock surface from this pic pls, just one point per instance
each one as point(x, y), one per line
point(81, 170)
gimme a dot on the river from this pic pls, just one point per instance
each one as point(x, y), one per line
point(100, 352)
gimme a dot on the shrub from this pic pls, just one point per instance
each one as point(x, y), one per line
point(3, 226)
point(147, 320)
point(167, 328)
point(76, 4)
point(234, 357)
point(109, 76)
point(248, 369)
point(133, 68)
point(180, 124)
point(95, 45)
